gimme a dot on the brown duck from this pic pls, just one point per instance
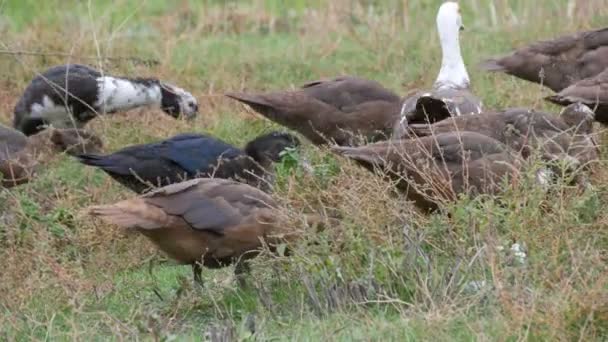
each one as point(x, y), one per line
point(567, 137)
point(592, 92)
point(206, 221)
point(339, 109)
point(344, 108)
point(558, 63)
point(435, 169)
point(20, 156)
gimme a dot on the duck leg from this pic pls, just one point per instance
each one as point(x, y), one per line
point(197, 271)
point(241, 269)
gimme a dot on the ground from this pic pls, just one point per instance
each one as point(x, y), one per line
point(386, 272)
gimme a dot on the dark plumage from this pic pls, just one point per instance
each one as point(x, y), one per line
point(436, 105)
point(557, 63)
point(21, 156)
point(186, 156)
point(434, 169)
point(70, 95)
point(208, 221)
point(592, 92)
point(568, 136)
point(338, 109)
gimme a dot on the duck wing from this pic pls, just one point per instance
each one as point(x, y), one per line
point(348, 91)
point(205, 204)
point(556, 63)
point(592, 92)
point(165, 162)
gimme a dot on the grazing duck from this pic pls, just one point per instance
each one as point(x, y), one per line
point(435, 169)
point(567, 137)
point(345, 117)
point(20, 156)
point(343, 108)
point(186, 156)
point(593, 92)
point(206, 221)
point(70, 95)
point(557, 63)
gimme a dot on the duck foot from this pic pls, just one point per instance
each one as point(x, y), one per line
point(241, 270)
point(197, 271)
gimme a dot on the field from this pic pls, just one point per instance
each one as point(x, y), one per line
point(386, 272)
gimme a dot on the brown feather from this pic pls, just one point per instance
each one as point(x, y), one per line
point(436, 168)
point(21, 156)
point(216, 221)
point(557, 63)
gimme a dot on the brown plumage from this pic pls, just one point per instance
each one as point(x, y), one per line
point(209, 221)
point(557, 63)
point(592, 92)
point(567, 137)
point(435, 169)
point(338, 109)
point(20, 156)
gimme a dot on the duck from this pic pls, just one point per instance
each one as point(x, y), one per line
point(21, 156)
point(189, 155)
point(592, 92)
point(567, 137)
point(557, 63)
point(70, 95)
point(203, 222)
point(340, 110)
point(433, 170)
point(451, 94)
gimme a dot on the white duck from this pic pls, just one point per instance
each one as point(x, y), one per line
point(451, 95)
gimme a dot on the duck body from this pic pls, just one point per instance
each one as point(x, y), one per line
point(338, 110)
point(21, 156)
point(215, 222)
point(557, 63)
point(69, 96)
point(187, 156)
point(451, 94)
point(568, 136)
point(434, 169)
point(592, 92)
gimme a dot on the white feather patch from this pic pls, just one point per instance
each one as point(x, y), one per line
point(55, 114)
point(116, 94)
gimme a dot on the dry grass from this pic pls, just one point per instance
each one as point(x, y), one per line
point(385, 272)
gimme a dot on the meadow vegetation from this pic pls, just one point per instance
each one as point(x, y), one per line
point(385, 272)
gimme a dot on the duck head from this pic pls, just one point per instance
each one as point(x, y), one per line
point(268, 147)
point(578, 116)
point(176, 101)
point(74, 141)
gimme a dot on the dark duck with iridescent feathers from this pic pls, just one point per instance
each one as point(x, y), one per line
point(70, 95)
point(187, 156)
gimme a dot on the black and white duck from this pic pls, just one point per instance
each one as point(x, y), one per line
point(69, 96)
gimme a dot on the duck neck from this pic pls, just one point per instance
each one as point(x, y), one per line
point(453, 73)
point(119, 94)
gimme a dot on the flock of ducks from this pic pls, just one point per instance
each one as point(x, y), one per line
point(207, 203)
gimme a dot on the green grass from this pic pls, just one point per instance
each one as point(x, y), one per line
point(386, 272)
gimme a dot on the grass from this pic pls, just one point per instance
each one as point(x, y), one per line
point(386, 272)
